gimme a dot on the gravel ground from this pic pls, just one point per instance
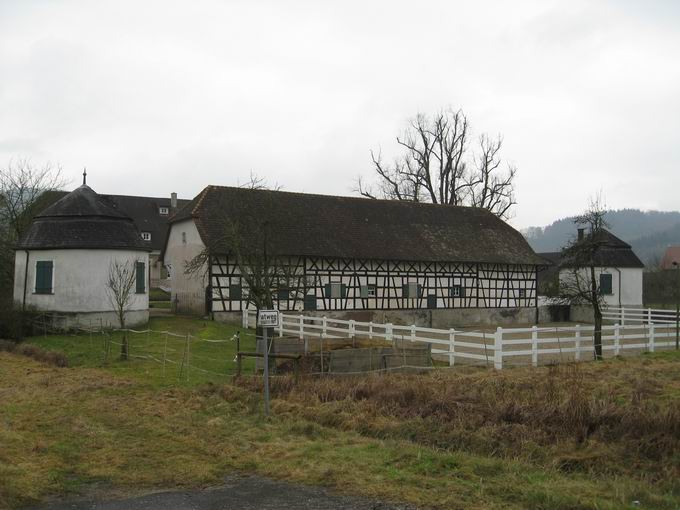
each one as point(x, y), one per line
point(238, 492)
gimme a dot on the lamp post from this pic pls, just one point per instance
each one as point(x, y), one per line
point(677, 305)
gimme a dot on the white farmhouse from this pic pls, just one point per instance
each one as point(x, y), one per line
point(62, 262)
point(618, 271)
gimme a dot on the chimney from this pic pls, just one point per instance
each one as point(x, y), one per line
point(581, 233)
point(173, 200)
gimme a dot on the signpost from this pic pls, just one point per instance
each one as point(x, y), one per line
point(267, 319)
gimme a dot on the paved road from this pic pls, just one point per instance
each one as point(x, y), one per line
point(238, 492)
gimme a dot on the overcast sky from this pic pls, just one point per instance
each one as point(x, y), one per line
point(164, 96)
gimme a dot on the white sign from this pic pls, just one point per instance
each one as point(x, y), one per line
point(268, 318)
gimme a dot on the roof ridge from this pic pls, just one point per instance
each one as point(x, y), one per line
point(346, 197)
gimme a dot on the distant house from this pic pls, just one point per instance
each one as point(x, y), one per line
point(62, 261)
point(150, 215)
point(618, 272)
point(672, 254)
point(360, 258)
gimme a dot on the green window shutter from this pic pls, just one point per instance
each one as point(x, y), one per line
point(343, 290)
point(605, 284)
point(404, 290)
point(462, 291)
point(141, 280)
point(364, 291)
point(310, 302)
point(327, 290)
point(431, 301)
point(283, 294)
point(43, 277)
point(235, 292)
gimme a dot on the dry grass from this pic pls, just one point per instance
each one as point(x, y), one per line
point(64, 430)
point(615, 418)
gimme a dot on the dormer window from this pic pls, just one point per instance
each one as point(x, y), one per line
point(146, 236)
point(163, 210)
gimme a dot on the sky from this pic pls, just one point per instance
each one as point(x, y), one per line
point(161, 96)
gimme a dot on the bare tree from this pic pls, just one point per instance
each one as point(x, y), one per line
point(255, 181)
point(581, 257)
point(120, 284)
point(438, 166)
point(23, 189)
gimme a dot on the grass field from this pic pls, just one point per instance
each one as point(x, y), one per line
point(208, 361)
point(594, 436)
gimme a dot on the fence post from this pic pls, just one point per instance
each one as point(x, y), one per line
point(534, 346)
point(350, 329)
point(617, 341)
point(280, 325)
point(498, 349)
point(244, 320)
point(413, 332)
point(649, 315)
point(452, 347)
point(323, 327)
point(623, 316)
point(301, 327)
point(388, 332)
point(577, 343)
point(651, 337)
point(370, 330)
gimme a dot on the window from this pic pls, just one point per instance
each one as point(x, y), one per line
point(163, 210)
point(310, 302)
point(335, 290)
point(141, 280)
point(44, 276)
point(522, 293)
point(146, 236)
point(606, 284)
point(283, 294)
point(457, 291)
point(235, 292)
point(432, 301)
point(411, 290)
point(368, 291)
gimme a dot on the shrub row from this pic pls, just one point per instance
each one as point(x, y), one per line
point(57, 359)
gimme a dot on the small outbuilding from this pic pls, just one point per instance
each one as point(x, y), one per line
point(62, 262)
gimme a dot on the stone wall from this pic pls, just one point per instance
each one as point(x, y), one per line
point(441, 319)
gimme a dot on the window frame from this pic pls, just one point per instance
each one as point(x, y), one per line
point(161, 210)
point(611, 284)
point(145, 235)
point(141, 263)
point(35, 278)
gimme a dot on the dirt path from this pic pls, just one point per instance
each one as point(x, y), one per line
point(238, 492)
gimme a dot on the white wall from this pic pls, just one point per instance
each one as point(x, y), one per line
point(630, 280)
point(184, 243)
point(79, 279)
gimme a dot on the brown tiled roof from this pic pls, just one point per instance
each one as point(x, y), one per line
point(672, 254)
point(351, 227)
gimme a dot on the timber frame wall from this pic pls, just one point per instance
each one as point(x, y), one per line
point(441, 285)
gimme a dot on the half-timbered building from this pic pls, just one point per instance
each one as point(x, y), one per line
point(350, 255)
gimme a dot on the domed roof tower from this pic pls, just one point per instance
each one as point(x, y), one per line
point(82, 220)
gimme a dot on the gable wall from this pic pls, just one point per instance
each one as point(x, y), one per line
point(188, 290)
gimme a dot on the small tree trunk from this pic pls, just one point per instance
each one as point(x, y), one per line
point(597, 334)
point(124, 350)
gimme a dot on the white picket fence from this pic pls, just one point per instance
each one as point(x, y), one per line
point(622, 315)
point(503, 347)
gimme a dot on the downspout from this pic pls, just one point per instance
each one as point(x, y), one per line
point(23, 304)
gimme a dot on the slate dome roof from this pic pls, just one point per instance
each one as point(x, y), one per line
point(82, 219)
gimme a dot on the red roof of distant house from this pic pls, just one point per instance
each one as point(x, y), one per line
point(672, 255)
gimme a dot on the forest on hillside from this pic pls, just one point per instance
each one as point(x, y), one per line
point(648, 232)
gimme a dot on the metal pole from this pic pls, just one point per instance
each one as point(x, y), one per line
point(677, 306)
point(266, 372)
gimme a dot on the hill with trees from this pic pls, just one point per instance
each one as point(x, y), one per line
point(648, 232)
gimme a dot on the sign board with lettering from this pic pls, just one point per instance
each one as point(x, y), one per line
point(268, 318)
